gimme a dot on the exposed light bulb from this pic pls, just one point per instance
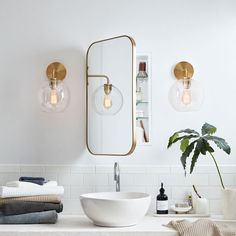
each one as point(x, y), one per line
point(186, 97)
point(107, 102)
point(53, 97)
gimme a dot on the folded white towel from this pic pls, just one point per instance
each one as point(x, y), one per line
point(23, 184)
point(50, 183)
point(6, 192)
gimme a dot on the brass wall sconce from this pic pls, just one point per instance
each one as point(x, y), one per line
point(107, 99)
point(54, 94)
point(185, 94)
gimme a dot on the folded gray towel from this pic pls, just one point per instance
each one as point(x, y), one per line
point(23, 207)
point(35, 180)
point(44, 217)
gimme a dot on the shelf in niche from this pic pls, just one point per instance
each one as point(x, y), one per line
point(141, 102)
point(141, 79)
point(142, 118)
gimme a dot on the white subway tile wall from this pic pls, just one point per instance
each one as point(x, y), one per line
point(90, 178)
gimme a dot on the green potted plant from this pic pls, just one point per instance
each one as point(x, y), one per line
point(194, 144)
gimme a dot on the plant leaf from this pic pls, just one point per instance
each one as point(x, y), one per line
point(184, 144)
point(208, 129)
point(194, 159)
point(185, 137)
point(186, 154)
point(208, 146)
point(201, 146)
point(172, 139)
point(188, 131)
point(220, 142)
point(175, 137)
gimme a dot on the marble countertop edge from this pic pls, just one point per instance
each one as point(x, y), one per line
point(80, 225)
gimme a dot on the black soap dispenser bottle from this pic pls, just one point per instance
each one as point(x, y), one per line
point(162, 202)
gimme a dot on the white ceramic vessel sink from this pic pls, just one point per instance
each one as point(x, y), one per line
point(115, 209)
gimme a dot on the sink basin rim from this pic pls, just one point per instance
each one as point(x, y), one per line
point(111, 196)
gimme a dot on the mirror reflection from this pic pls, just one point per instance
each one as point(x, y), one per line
point(111, 87)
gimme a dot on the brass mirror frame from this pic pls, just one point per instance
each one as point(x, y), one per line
point(133, 44)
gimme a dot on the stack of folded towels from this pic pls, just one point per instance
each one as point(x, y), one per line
point(31, 200)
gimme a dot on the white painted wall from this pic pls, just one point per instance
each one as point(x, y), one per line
point(36, 33)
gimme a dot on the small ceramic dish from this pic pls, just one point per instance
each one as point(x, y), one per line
point(181, 209)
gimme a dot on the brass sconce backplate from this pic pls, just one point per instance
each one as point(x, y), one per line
point(56, 70)
point(183, 70)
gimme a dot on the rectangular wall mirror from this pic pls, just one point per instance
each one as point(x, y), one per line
point(110, 96)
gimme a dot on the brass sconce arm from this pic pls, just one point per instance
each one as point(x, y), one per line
point(107, 86)
point(100, 76)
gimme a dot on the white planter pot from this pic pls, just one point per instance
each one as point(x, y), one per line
point(200, 206)
point(229, 204)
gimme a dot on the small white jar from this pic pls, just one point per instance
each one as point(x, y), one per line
point(200, 205)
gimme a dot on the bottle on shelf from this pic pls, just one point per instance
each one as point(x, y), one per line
point(142, 73)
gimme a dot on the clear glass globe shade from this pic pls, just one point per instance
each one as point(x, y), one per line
point(109, 104)
point(182, 99)
point(54, 100)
